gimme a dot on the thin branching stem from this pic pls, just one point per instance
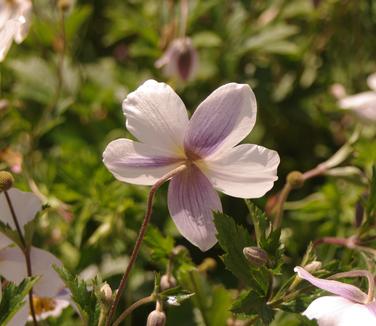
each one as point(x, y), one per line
point(140, 238)
point(26, 251)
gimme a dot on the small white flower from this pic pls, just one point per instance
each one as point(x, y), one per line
point(14, 23)
point(207, 144)
point(362, 104)
point(350, 306)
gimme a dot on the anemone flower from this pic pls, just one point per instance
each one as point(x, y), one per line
point(180, 59)
point(350, 306)
point(50, 296)
point(362, 104)
point(205, 144)
point(14, 23)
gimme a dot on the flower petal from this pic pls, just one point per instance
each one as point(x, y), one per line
point(13, 268)
point(371, 81)
point(156, 116)
point(138, 163)
point(191, 201)
point(221, 121)
point(7, 35)
point(4, 241)
point(363, 104)
point(245, 171)
point(338, 311)
point(26, 205)
point(344, 290)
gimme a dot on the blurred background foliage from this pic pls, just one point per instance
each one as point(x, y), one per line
point(61, 93)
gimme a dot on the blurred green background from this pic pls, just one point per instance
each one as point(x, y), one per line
point(61, 94)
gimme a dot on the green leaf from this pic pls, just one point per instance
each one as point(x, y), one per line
point(251, 304)
point(213, 302)
point(10, 233)
point(228, 230)
point(371, 203)
point(87, 302)
point(13, 298)
point(161, 246)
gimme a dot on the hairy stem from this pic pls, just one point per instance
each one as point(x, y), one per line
point(134, 306)
point(26, 251)
point(140, 237)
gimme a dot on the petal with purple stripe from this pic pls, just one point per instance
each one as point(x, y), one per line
point(138, 163)
point(344, 290)
point(221, 121)
point(156, 116)
point(191, 202)
point(245, 171)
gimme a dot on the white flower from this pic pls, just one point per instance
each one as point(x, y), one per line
point(349, 307)
point(14, 23)
point(206, 144)
point(362, 104)
point(50, 296)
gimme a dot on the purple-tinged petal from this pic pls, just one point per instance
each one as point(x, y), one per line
point(138, 163)
point(344, 290)
point(26, 205)
point(191, 202)
point(338, 311)
point(245, 171)
point(372, 308)
point(156, 116)
point(221, 121)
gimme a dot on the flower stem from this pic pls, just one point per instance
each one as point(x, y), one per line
point(26, 251)
point(140, 237)
point(134, 306)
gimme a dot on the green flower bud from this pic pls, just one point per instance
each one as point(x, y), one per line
point(6, 181)
point(256, 256)
point(156, 318)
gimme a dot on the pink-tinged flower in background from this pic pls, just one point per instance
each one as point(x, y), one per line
point(206, 144)
point(362, 104)
point(350, 306)
point(180, 59)
point(14, 23)
point(50, 296)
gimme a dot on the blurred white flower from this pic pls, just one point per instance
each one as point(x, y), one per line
point(362, 104)
point(180, 59)
point(50, 296)
point(350, 306)
point(14, 23)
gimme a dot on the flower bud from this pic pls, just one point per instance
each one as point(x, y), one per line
point(64, 5)
point(106, 294)
point(256, 256)
point(295, 179)
point(313, 266)
point(167, 282)
point(209, 264)
point(156, 318)
point(6, 181)
point(179, 249)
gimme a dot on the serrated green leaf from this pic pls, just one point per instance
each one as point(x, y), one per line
point(13, 298)
point(10, 233)
point(161, 246)
point(227, 231)
point(86, 300)
point(251, 304)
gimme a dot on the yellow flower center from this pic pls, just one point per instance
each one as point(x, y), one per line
point(43, 304)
